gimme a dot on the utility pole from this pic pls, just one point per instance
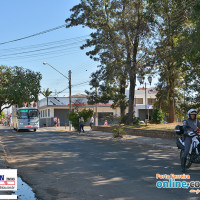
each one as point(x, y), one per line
point(70, 97)
point(96, 112)
point(145, 85)
point(70, 88)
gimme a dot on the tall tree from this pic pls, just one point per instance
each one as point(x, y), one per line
point(108, 87)
point(189, 45)
point(172, 19)
point(119, 27)
point(18, 85)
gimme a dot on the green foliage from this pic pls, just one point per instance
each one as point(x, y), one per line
point(46, 92)
point(169, 56)
point(136, 120)
point(124, 119)
point(2, 115)
point(18, 86)
point(158, 116)
point(74, 117)
point(86, 114)
point(118, 37)
point(118, 132)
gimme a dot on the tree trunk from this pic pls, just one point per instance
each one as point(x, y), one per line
point(131, 98)
point(123, 100)
point(0, 108)
point(132, 74)
point(171, 103)
point(172, 111)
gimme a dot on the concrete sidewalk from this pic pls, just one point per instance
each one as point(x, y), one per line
point(150, 141)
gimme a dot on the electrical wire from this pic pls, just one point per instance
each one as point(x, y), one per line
point(42, 54)
point(46, 44)
point(67, 45)
point(36, 34)
point(80, 84)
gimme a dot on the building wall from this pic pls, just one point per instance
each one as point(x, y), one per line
point(62, 115)
point(59, 107)
point(46, 122)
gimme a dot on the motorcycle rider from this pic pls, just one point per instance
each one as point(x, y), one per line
point(190, 126)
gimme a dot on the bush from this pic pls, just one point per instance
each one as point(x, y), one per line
point(2, 115)
point(136, 120)
point(118, 132)
point(158, 116)
point(123, 120)
point(74, 117)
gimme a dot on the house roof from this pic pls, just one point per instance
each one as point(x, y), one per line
point(79, 96)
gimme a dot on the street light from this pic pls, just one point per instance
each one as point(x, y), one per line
point(141, 80)
point(70, 89)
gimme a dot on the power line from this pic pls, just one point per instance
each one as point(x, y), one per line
point(80, 83)
point(77, 39)
point(36, 34)
point(68, 87)
point(67, 50)
point(44, 49)
point(62, 90)
point(48, 57)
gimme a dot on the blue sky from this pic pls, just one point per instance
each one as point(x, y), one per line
point(22, 18)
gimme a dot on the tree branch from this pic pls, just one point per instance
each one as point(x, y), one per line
point(6, 107)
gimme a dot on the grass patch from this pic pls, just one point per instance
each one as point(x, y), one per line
point(164, 127)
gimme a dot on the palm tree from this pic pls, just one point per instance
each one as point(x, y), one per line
point(46, 93)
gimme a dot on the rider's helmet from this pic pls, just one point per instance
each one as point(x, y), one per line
point(192, 112)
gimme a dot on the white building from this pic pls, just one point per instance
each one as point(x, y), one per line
point(143, 109)
point(59, 107)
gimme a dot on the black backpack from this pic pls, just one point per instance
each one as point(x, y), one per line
point(179, 130)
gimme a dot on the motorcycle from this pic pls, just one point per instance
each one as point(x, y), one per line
point(194, 152)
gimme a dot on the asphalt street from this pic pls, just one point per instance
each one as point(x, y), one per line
point(60, 165)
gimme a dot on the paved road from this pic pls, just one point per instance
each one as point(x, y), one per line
point(61, 166)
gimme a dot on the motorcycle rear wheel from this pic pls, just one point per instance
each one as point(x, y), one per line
point(188, 162)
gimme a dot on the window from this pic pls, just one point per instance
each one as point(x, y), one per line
point(45, 113)
point(22, 114)
point(151, 101)
point(25, 114)
point(48, 112)
point(33, 113)
point(138, 100)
